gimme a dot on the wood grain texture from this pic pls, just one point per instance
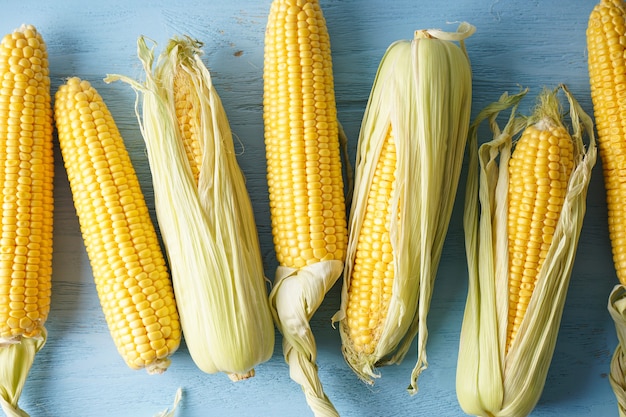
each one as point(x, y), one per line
point(518, 43)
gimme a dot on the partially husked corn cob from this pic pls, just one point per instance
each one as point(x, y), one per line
point(539, 172)
point(26, 184)
point(524, 210)
point(409, 159)
point(607, 74)
point(128, 265)
point(304, 178)
point(204, 211)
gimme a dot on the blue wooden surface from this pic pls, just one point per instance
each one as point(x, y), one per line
point(517, 43)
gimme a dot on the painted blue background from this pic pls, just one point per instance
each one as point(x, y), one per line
point(517, 43)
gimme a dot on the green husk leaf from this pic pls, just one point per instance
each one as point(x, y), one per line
point(490, 382)
point(208, 229)
point(423, 90)
point(16, 360)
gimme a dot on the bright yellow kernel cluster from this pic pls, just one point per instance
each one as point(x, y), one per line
point(187, 106)
point(128, 266)
point(26, 181)
point(606, 40)
point(305, 181)
point(372, 278)
point(539, 172)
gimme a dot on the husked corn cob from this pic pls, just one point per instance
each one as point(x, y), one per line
point(524, 210)
point(304, 178)
point(371, 283)
point(26, 183)
point(301, 137)
point(204, 211)
point(606, 60)
point(409, 159)
point(128, 266)
point(26, 178)
point(607, 72)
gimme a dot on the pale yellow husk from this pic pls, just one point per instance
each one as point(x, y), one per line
point(171, 412)
point(490, 381)
point(209, 231)
point(423, 90)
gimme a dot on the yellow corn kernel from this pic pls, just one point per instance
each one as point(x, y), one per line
point(539, 171)
point(607, 75)
point(372, 277)
point(406, 175)
point(26, 181)
point(128, 266)
point(187, 105)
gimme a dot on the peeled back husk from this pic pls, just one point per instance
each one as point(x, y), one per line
point(423, 91)
point(208, 229)
point(492, 381)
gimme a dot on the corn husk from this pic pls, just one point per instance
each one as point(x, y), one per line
point(617, 375)
point(16, 360)
point(171, 412)
point(208, 229)
point(423, 89)
point(490, 381)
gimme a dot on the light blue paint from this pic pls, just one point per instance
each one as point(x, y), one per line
point(517, 43)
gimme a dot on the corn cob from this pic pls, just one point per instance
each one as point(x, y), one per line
point(524, 210)
point(128, 266)
point(539, 172)
point(304, 177)
point(204, 212)
point(371, 283)
point(409, 159)
point(26, 178)
point(607, 68)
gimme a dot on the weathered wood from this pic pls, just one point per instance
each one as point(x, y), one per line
point(518, 43)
